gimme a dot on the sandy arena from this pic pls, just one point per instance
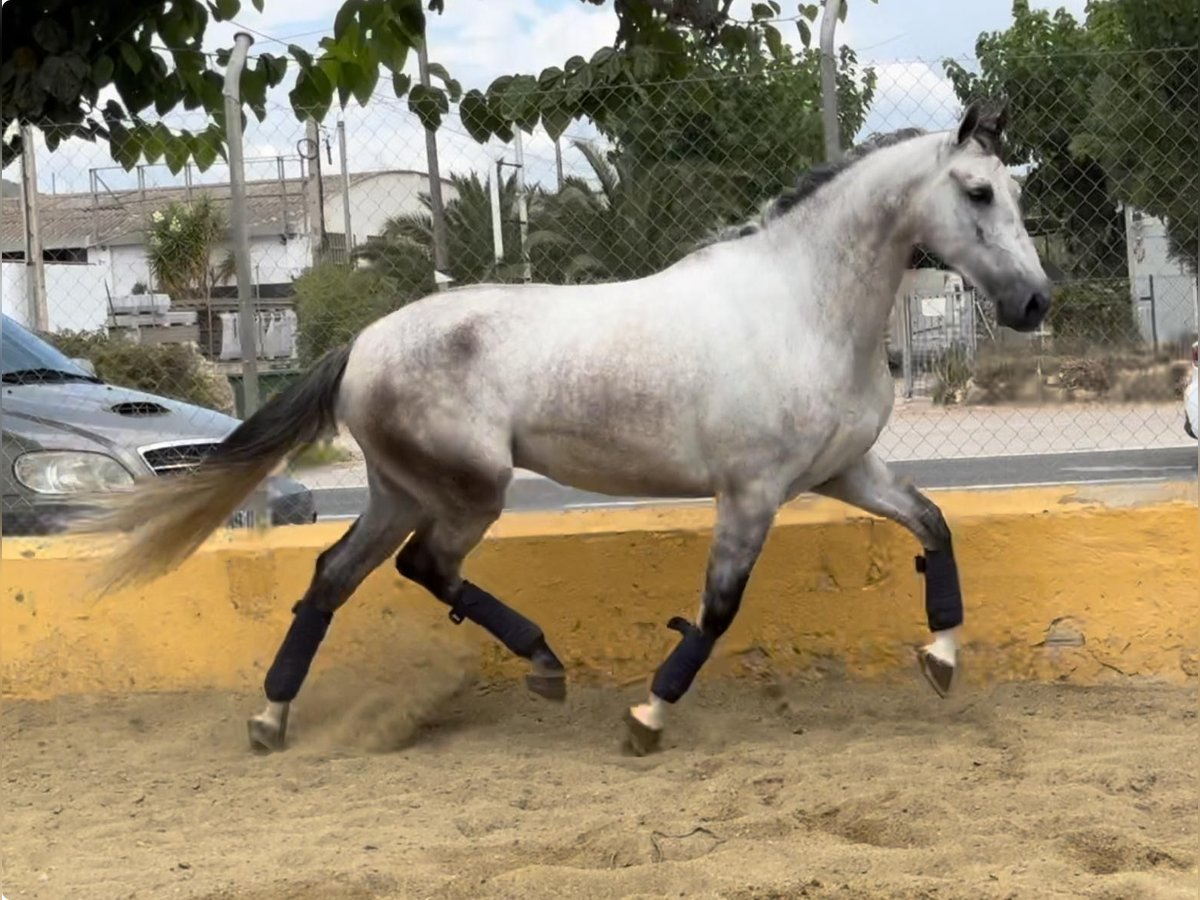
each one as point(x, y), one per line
point(436, 785)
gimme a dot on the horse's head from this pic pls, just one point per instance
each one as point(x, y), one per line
point(969, 214)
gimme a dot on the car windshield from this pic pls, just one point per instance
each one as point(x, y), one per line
point(25, 357)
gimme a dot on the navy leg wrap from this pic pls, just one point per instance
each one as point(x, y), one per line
point(678, 670)
point(296, 652)
point(517, 633)
point(943, 596)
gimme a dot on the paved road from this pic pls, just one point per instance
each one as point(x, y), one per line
point(1057, 468)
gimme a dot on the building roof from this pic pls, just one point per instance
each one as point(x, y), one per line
point(118, 217)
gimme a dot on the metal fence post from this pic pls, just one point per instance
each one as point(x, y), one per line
point(829, 104)
point(347, 225)
point(247, 327)
point(906, 345)
point(437, 208)
point(522, 204)
point(237, 221)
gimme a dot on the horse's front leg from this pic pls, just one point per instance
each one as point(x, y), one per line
point(869, 485)
point(743, 519)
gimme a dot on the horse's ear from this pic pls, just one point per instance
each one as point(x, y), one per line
point(990, 127)
point(995, 120)
point(970, 121)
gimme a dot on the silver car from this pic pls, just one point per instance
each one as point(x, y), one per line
point(67, 432)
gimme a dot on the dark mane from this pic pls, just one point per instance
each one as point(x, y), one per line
point(812, 180)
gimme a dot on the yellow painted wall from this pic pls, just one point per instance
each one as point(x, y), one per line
point(835, 592)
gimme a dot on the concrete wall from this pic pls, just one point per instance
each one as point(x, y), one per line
point(75, 295)
point(1081, 586)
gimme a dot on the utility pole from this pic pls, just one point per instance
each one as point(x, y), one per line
point(522, 207)
point(35, 266)
point(343, 154)
point(437, 210)
point(314, 192)
point(829, 105)
point(497, 223)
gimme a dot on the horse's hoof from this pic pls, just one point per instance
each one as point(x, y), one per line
point(551, 687)
point(938, 672)
point(266, 736)
point(642, 739)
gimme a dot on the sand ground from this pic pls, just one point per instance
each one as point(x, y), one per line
point(436, 785)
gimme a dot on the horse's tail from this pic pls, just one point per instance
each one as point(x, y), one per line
point(171, 516)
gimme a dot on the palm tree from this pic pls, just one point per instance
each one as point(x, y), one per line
point(641, 219)
point(404, 251)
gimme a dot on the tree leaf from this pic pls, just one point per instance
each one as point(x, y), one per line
point(475, 115)
point(410, 18)
point(556, 119)
point(204, 150)
point(364, 84)
point(102, 70)
point(805, 32)
point(154, 144)
point(51, 36)
point(125, 146)
point(774, 42)
point(312, 95)
point(133, 59)
point(301, 55)
point(452, 86)
point(345, 17)
point(178, 152)
point(400, 83)
point(276, 68)
point(429, 104)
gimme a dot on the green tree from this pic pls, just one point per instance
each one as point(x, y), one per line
point(644, 216)
point(57, 56)
point(335, 301)
point(404, 251)
point(181, 241)
point(1103, 112)
point(752, 110)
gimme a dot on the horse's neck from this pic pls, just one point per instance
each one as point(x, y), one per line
point(857, 240)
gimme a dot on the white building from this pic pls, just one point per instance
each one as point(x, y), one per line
point(1164, 286)
point(95, 252)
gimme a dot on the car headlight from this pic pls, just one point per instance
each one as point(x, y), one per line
point(70, 472)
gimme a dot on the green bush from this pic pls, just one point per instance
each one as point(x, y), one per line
point(952, 373)
point(1088, 314)
point(334, 302)
point(177, 371)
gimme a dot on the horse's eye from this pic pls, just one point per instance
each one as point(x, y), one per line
point(982, 194)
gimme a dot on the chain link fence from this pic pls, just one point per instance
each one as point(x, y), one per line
point(138, 283)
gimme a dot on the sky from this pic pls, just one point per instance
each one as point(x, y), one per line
point(478, 40)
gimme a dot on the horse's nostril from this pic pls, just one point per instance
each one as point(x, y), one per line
point(1036, 307)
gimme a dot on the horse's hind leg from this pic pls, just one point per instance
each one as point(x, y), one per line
point(743, 520)
point(433, 558)
point(389, 517)
point(871, 486)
